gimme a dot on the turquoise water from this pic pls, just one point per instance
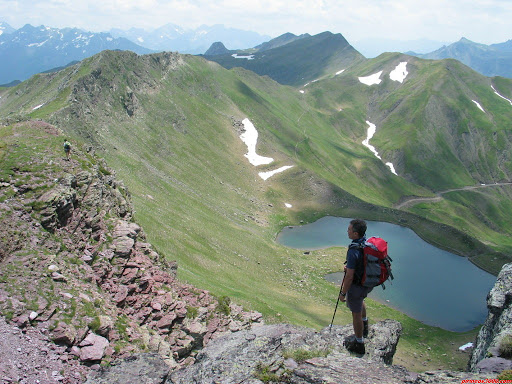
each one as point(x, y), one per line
point(433, 286)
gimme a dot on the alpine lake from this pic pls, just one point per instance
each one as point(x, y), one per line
point(431, 285)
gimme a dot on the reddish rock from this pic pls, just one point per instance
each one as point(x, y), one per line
point(64, 334)
point(93, 347)
point(166, 321)
point(121, 295)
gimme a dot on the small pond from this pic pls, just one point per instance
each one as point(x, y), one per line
point(433, 286)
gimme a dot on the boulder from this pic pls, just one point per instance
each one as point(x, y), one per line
point(239, 356)
point(123, 246)
point(144, 368)
point(92, 348)
point(493, 365)
point(64, 334)
point(125, 229)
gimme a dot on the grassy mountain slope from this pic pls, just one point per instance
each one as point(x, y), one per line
point(170, 124)
point(299, 61)
point(431, 128)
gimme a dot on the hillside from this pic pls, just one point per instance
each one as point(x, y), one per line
point(489, 60)
point(295, 60)
point(170, 126)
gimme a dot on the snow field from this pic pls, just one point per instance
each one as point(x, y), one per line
point(371, 131)
point(399, 73)
point(250, 138)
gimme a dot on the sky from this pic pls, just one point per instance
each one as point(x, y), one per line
point(482, 21)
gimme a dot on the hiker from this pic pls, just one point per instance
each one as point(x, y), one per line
point(352, 292)
point(67, 149)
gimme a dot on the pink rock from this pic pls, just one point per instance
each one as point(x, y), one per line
point(93, 347)
point(121, 295)
point(166, 321)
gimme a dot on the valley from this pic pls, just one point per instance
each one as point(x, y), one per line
point(170, 125)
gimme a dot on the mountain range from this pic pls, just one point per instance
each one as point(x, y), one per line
point(171, 37)
point(30, 50)
point(489, 60)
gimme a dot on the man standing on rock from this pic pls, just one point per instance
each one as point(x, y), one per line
point(352, 292)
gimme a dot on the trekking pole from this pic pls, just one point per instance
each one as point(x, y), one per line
point(337, 302)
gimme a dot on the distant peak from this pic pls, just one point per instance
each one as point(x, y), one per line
point(216, 49)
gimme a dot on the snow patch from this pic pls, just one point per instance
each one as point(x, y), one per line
point(266, 175)
point(399, 73)
point(287, 205)
point(371, 131)
point(478, 105)
point(248, 57)
point(372, 128)
point(503, 97)
point(339, 72)
point(37, 107)
point(391, 168)
point(109, 39)
point(250, 138)
point(372, 79)
point(37, 44)
point(465, 346)
point(301, 91)
point(140, 39)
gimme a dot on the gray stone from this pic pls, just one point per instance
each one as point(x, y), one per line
point(499, 319)
point(493, 365)
point(123, 246)
point(235, 357)
point(145, 368)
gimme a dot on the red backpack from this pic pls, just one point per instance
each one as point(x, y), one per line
point(376, 262)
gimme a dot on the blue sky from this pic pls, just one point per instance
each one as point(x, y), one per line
point(482, 21)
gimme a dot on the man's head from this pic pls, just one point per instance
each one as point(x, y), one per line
point(356, 229)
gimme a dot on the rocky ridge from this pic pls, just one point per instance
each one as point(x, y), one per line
point(75, 266)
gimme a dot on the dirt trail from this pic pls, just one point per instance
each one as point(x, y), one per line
point(439, 195)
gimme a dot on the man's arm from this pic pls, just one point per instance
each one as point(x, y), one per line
point(347, 283)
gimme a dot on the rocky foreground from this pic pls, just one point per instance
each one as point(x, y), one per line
point(85, 298)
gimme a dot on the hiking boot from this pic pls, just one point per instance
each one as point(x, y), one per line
point(365, 328)
point(354, 346)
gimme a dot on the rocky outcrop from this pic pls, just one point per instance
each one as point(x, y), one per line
point(496, 326)
point(282, 353)
point(73, 263)
point(276, 351)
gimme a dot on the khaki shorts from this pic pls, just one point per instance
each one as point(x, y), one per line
point(355, 296)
